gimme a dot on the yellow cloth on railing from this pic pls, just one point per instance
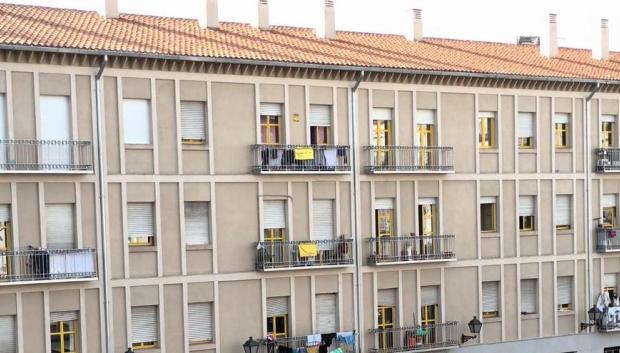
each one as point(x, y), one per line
point(307, 249)
point(304, 153)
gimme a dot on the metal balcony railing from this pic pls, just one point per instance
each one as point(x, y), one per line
point(607, 239)
point(343, 340)
point(45, 156)
point(274, 255)
point(607, 160)
point(47, 265)
point(386, 250)
point(301, 159)
point(416, 338)
point(409, 159)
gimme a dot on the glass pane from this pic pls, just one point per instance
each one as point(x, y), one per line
point(486, 213)
point(54, 327)
point(55, 344)
point(69, 343)
point(281, 324)
point(270, 324)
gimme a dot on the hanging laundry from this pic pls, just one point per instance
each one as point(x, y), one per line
point(307, 249)
point(314, 340)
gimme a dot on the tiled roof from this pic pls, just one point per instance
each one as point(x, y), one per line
point(86, 30)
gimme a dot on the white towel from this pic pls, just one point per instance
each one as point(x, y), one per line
point(314, 340)
point(331, 157)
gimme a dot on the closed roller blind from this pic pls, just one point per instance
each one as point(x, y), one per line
point(5, 213)
point(322, 220)
point(609, 200)
point(490, 294)
point(273, 109)
point(425, 117)
point(565, 290)
point(8, 339)
point(381, 114)
point(3, 119)
point(608, 118)
point(277, 306)
point(320, 115)
point(610, 280)
point(193, 116)
point(526, 205)
point(55, 118)
point(64, 316)
point(562, 209)
point(137, 121)
point(326, 313)
point(528, 295)
point(488, 199)
point(200, 320)
point(561, 118)
point(429, 295)
point(387, 297)
point(140, 219)
point(60, 224)
point(526, 124)
point(486, 114)
point(196, 223)
point(426, 201)
point(384, 204)
point(144, 324)
point(274, 214)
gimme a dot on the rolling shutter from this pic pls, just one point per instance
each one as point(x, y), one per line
point(193, 116)
point(200, 321)
point(8, 337)
point(386, 297)
point(322, 220)
point(608, 118)
point(426, 201)
point(561, 118)
point(526, 205)
point(326, 313)
point(60, 224)
point(526, 124)
point(425, 117)
point(486, 114)
point(488, 199)
point(429, 295)
point(64, 316)
point(610, 280)
point(277, 306)
point(140, 219)
point(137, 121)
point(490, 295)
point(320, 115)
point(381, 114)
point(384, 204)
point(144, 324)
point(196, 223)
point(528, 296)
point(609, 200)
point(3, 117)
point(565, 290)
point(274, 214)
point(562, 210)
point(271, 109)
point(5, 213)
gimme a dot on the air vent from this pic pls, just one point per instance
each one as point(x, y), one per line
point(528, 40)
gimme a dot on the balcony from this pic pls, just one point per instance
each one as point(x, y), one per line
point(51, 157)
point(300, 255)
point(607, 240)
point(607, 160)
point(422, 338)
point(301, 159)
point(46, 265)
point(409, 160)
point(343, 340)
point(411, 249)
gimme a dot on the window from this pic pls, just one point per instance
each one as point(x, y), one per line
point(3, 118)
point(55, 125)
point(425, 122)
point(608, 127)
point(144, 327)
point(609, 210)
point(140, 220)
point(529, 296)
point(565, 293)
point(527, 207)
point(429, 312)
point(384, 218)
point(488, 206)
point(427, 217)
point(8, 336)
point(277, 317)
point(526, 130)
point(490, 299)
point(59, 226)
point(326, 309)
point(193, 122)
point(612, 349)
point(561, 121)
point(200, 322)
point(563, 212)
point(274, 220)
point(386, 315)
point(323, 228)
point(486, 137)
point(271, 123)
point(610, 284)
point(320, 124)
point(137, 121)
point(6, 243)
point(196, 223)
point(64, 332)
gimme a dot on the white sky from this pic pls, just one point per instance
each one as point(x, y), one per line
point(492, 20)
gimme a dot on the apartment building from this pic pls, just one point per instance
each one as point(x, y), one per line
point(171, 185)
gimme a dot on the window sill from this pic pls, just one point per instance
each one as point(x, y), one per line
point(563, 150)
point(195, 147)
point(528, 233)
point(566, 312)
point(198, 247)
point(489, 234)
point(147, 350)
point(529, 150)
point(489, 150)
point(201, 346)
point(143, 248)
point(489, 320)
point(564, 231)
point(529, 316)
point(130, 146)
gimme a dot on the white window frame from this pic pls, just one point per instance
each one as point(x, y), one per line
point(137, 122)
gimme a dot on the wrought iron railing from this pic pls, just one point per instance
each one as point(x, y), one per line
point(301, 158)
point(607, 239)
point(272, 255)
point(47, 264)
point(607, 160)
point(343, 340)
point(411, 249)
point(409, 159)
point(45, 156)
point(416, 338)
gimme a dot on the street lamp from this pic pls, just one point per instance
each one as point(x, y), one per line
point(250, 346)
point(474, 327)
point(594, 316)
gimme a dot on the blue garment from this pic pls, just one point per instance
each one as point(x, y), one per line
point(346, 337)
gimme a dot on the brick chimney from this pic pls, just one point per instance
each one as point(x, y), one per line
point(263, 14)
point(549, 46)
point(330, 19)
point(601, 45)
point(111, 9)
point(211, 20)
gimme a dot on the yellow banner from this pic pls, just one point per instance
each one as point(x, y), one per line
point(307, 249)
point(304, 153)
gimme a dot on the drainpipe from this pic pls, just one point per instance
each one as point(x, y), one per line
point(102, 209)
point(356, 198)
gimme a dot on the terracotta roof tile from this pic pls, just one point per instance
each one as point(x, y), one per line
point(87, 30)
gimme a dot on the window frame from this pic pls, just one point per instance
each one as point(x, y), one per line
point(61, 333)
point(526, 142)
point(189, 141)
point(487, 128)
point(266, 125)
point(493, 215)
point(562, 137)
point(535, 299)
point(208, 221)
point(314, 135)
point(148, 120)
point(212, 319)
point(496, 313)
point(142, 240)
point(568, 226)
point(607, 133)
point(274, 325)
point(564, 307)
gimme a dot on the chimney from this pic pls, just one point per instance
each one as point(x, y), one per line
point(263, 14)
point(330, 20)
point(212, 19)
point(111, 9)
point(417, 25)
point(549, 47)
point(601, 45)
